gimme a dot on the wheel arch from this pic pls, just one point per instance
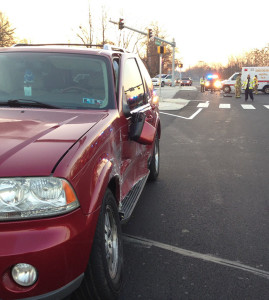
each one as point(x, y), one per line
point(114, 186)
point(266, 89)
point(99, 183)
point(159, 129)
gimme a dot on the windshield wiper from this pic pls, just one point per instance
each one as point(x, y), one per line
point(26, 102)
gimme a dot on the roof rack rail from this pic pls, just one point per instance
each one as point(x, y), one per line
point(105, 46)
point(59, 44)
point(114, 48)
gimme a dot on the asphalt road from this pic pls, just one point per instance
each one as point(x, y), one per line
point(201, 230)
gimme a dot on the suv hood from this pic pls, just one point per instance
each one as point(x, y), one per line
point(33, 141)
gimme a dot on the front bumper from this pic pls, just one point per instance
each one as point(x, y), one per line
point(59, 248)
point(60, 293)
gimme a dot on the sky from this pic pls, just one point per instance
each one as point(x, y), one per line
point(208, 31)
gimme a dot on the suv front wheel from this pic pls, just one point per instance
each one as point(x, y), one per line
point(103, 276)
point(155, 161)
point(226, 89)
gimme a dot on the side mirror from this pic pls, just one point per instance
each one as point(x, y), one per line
point(141, 131)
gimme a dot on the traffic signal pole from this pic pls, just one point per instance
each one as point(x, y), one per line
point(160, 77)
point(173, 64)
point(173, 44)
point(130, 28)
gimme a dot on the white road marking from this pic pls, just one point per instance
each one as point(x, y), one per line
point(267, 106)
point(223, 105)
point(188, 88)
point(248, 106)
point(206, 257)
point(189, 118)
point(195, 114)
point(204, 105)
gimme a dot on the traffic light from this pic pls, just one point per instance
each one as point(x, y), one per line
point(180, 65)
point(121, 24)
point(150, 34)
point(161, 49)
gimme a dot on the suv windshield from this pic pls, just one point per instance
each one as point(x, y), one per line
point(71, 81)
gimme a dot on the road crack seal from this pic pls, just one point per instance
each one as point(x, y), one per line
point(205, 257)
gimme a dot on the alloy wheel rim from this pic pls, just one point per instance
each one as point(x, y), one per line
point(111, 242)
point(156, 158)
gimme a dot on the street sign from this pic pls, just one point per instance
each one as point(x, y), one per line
point(157, 42)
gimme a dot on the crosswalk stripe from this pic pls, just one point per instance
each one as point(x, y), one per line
point(203, 105)
point(227, 105)
point(223, 105)
point(248, 106)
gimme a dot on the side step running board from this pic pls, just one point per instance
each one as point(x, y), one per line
point(129, 202)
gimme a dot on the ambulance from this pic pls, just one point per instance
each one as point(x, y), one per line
point(261, 72)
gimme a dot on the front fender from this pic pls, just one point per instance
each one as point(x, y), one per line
point(99, 184)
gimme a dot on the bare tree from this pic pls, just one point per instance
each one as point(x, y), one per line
point(254, 57)
point(86, 34)
point(6, 32)
point(258, 57)
point(104, 23)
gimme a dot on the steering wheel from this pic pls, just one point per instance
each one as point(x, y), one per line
point(81, 89)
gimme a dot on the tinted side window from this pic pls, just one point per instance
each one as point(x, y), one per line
point(148, 81)
point(133, 85)
point(116, 71)
point(235, 76)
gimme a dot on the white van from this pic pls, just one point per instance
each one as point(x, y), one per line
point(261, 72)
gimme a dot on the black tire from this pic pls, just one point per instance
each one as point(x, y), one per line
point(154, 166)
point(103, 276)
point(266, 89)
point(226, 89)
point(162, 84)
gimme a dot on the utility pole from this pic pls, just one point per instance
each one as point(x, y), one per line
point(173, 43)
point(160, 77)
point(173, 64)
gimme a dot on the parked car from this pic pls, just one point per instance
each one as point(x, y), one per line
point(156, 81)
point(168, 79)
point(80, 132)
point(165, 78)
point(186, 81)
point(178, 81)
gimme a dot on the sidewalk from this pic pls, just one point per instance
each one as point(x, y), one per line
point(172, 104)
point(167, 102)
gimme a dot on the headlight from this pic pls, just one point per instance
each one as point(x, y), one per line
point(25, 197)
point(155, 100)
point(207, 83)
point(217, 84)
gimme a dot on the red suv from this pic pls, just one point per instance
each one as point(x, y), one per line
point(79, 136)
